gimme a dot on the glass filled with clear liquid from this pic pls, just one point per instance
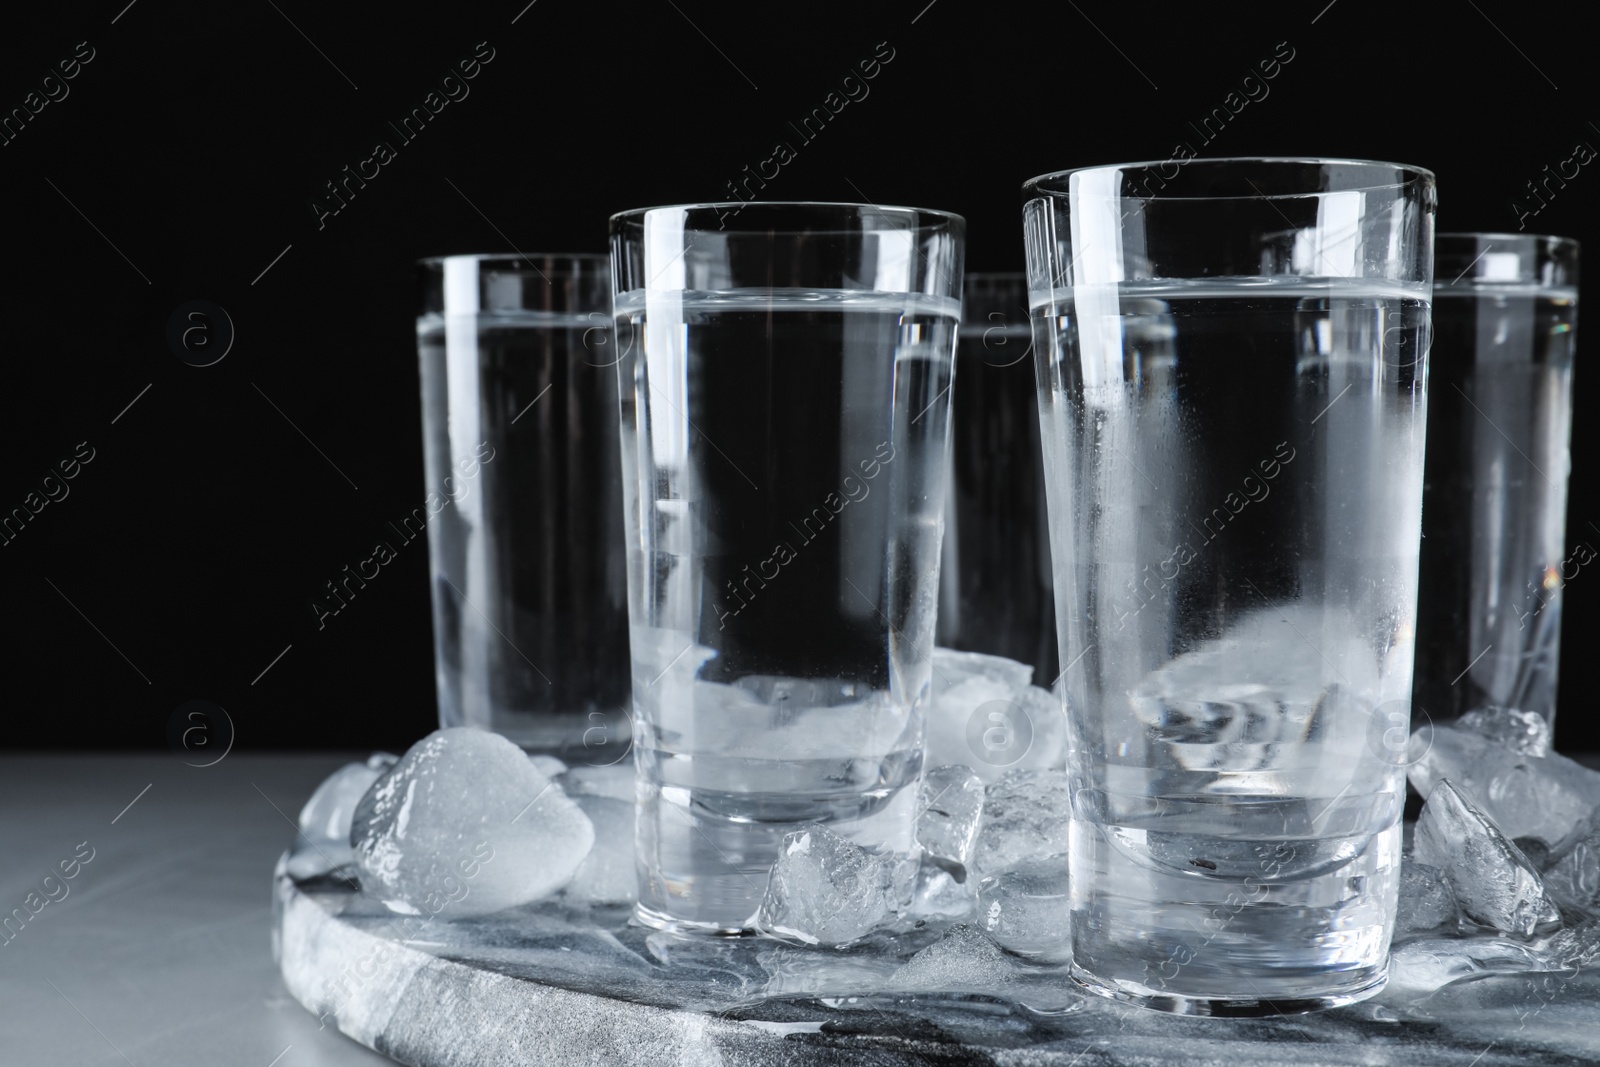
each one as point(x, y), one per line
point(523, 501)
point(1232, 370)
point(784, 384)
point(1494, 499)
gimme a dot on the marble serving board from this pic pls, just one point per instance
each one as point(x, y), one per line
point(545, 984)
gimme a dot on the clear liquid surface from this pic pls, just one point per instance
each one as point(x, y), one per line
point(1235, 477)
point(784, 453)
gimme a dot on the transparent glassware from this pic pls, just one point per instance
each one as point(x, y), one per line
point(1232, 389)
point(785, 410)
point(524, 501)
point(995, 590)
point(1494, 499)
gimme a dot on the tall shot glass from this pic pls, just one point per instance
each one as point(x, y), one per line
point(524, 504)
point(1232, 390)
point(1494, 501)
point(785, 410)
point(995, 590)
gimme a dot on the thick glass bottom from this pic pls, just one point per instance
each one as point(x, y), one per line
point(689, 928)
point(1261, 1001)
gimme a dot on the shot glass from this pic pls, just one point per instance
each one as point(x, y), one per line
point(995, 591)
point(524, 501)
point(785, 412)
point(1232, 390)
point(1494, 498)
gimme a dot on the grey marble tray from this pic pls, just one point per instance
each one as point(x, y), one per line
point(549, 985)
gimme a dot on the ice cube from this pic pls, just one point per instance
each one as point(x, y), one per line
point(1026, 909)
point(1025, 817)
point(607, 874)
point(1574, 877)
point(950, 806)
point(1493, 881)
point(326, 816)
point(464, 824)
point(1526, 796)
point(1284, 686)
point(963, 961)
point(1427, 903)
point(323, 844)
point(983, 713)
point(1524, 732)
point(825, 890)
point(939, 896)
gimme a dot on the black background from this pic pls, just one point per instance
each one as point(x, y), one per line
point(187, 154)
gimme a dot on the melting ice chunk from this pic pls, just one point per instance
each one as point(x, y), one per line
point(985, 713)
point(1286, 686)
point(607, 874)
point(1026, 909)
point(324, 841)
point(464, 824)
point(1574, 878)
point(1427, 903)
point(825, 890)
point(949, 808)
point(963, 961)
point(1526, 796)
point(1524, 732)
point(1493, 881)
point(1025, 817)
point(939, 896)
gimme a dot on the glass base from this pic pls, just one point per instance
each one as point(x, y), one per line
point(657, 920)
point(1244, 1007)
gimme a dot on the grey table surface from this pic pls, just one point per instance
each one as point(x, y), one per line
point(159, 954)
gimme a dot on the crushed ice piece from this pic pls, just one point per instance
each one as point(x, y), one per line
point(1574, 877)
point(382, 761)
point(1026, 815)
point(963, 961)
point(950, 806)
point(1575, 946)
point(323, 844)
point(1026, 909)
point(465, 824)
point(1426, 965)
point(607, 874)
point(984, 713)
point(1493, 881)
point(1280, 685)
point(939, 896)
point(825, 890)
point(1427, 903)
point(615, 781)
point(325, 819)
point(1526, 796)
point(1524, 732)
point(548, 766)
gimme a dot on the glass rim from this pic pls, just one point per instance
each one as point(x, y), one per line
point(737, 206)
point(1036, 186)
point(518, 257)
point(1554, 241)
